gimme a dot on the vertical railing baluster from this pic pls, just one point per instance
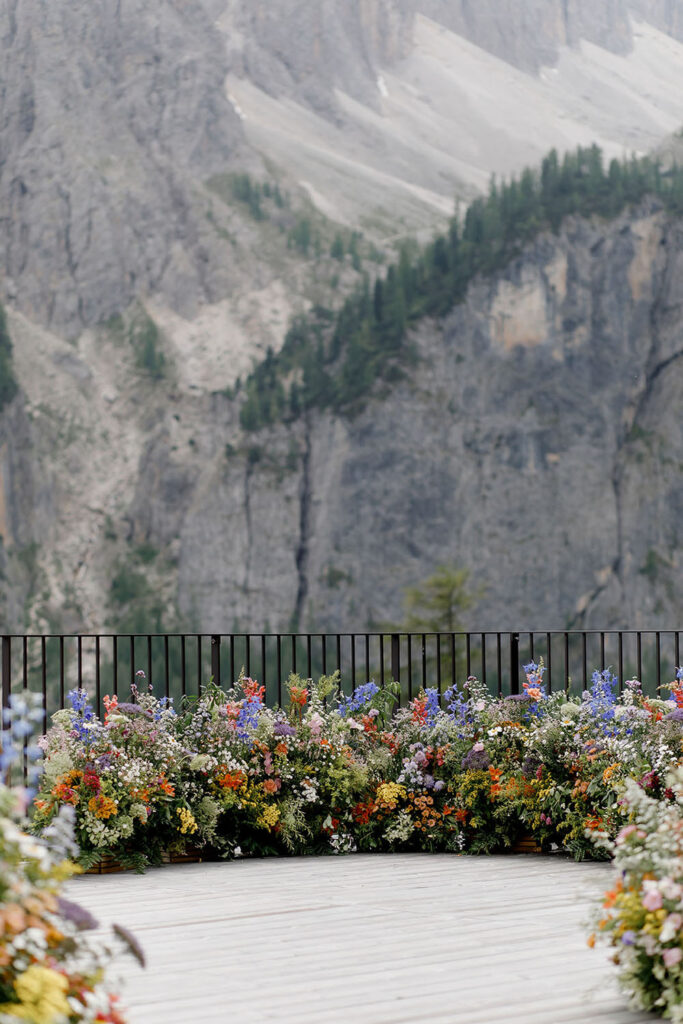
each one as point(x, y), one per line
point(294, 653)
point(61, 672)
point(167, 670)
point(468, 655)
point(150, 681)
point(216, 659)
point(367, 658)
point(79, 648)
point(438, 661)
point(115, 667)
point(232, 659)
point(131, 668)
point(620, 639)
point(584, 648)
point(323, 652)
point(264, 671)
point(424, 660)
point(549, 641)
point(353, 661)
point(639, 655)
point(483, 658)
point(453, 672)
point(514, 663)
point(7, 670)
point(199, 664)
point(602, 652)
point(309, 662)
point(410, 666)
point(499, 664)
point(43, 678)
point(278, 652)
point(566, 662)
point(247, 654)
point(658, 655)
point(338, 652)
point(183, 666)
point(381, 659)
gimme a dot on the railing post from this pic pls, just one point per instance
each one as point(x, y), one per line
point(216, 659)
point(6, 670)
point(514, 662)
point(396, 657)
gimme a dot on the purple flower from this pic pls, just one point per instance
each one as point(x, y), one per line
point(284, 729)
point(674, 716)
point(519, 696)
point(133, 709)
point(439, 785)
point(476, 760)
point(428, 781)
point(628, 938)
point(77, 914)
point(131, 942)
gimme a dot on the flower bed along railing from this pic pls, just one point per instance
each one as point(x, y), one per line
point(461, 771)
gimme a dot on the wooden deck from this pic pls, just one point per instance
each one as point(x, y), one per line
point(403, 939)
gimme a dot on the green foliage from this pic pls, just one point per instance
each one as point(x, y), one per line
point(437, 605)
point(146, 342)
point(249, 192)
point(8, 382)
point(338, 365)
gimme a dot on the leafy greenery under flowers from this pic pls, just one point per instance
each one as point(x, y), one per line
point(336, 364)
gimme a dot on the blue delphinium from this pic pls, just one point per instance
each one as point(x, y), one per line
point(24, 716)
point(458, 709)
point(361, 696)
point(248, 716)
point(83, 719)
point(601, 699)
point(433, 707)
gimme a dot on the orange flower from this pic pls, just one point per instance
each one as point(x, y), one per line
point(166, 787)
point(495, 773)
point(460, 815)
point(271, 785)
point(590, 941)
point(231, 780)
point(102, 806)
point(281, 748)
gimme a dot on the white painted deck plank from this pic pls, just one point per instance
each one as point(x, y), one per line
point(403, 939)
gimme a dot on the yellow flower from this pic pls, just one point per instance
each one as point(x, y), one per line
point(42, 996)
point(187, 821)
point(389, 793)
point(269, 817)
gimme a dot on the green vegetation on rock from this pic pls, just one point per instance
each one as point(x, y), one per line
point(8, 382)
point(337, 361)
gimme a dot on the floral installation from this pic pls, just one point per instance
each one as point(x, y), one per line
point(51, 972)
point(460, 771)
point(642, 915)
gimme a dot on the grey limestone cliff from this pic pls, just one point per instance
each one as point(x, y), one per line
point(536, 443)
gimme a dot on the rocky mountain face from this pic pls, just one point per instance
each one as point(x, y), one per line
point(109, 114)
point(533, 442)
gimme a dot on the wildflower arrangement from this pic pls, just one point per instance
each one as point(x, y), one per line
point(122, 776)
point(642, 916)
point(50, 971)
point(459, 771)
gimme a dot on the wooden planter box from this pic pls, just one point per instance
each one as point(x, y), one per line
point(109, 865)
point(526, 844)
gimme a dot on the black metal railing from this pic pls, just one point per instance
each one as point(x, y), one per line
point(179, 664)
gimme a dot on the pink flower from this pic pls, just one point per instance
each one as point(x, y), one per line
point(625, 832)
point(671, 957)
point(478, 746)
point(652, 900)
